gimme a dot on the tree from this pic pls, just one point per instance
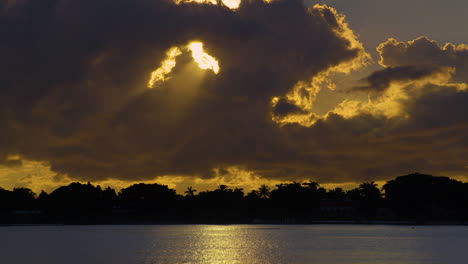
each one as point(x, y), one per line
point(148, 197)
point(422, 197)
point(23, 198)
point(263, 192)
point(223, 188)
point(190, 191)
point(336, 194)
point(311, 185)
point(368, 198)
point(5, 200)
point(369, 191)
point(79, 199)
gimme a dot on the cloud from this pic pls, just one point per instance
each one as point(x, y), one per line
point(76, 73)
point(283, 107)
point(75, 94)
point(427, 53)
point(414, 118)
point(11, 161)
point(411, 70)
point(382, 79)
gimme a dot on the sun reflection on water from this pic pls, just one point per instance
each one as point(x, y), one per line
point(215, 244)
point(223, 243)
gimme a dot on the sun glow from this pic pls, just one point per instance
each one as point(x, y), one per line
point(213, 2)
point(160, 74)
point(231, 4)
point(204, 60)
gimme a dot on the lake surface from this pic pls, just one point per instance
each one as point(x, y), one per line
point(324, 244)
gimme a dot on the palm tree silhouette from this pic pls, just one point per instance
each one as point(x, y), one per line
point(264, 191)
point(312, 185)
point(190, 191)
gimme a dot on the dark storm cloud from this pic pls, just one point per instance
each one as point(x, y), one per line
point(74, 74)
point(428, 135)
point(435, 128)
point(284, 107)
point(427, 53)
point(441, 107)
point(73, 93)
point(380, 80)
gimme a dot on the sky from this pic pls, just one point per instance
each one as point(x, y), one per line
point(241, 93)
point(377, 20)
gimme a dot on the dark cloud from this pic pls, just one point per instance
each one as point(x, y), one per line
point(75, 72)
point(284, 107)
point(441, 107)
point(429, 132)
point(73, 93)
point(426, 53)
point(380, 80)
point(430, 135)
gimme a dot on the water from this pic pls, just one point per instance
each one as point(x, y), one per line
point(324, 244)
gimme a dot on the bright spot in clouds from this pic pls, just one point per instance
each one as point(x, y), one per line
point(203, 59)
point(159, 75)
point(213, 2)
point(232, 4)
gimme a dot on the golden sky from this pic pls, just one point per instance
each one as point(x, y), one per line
point(243, 93)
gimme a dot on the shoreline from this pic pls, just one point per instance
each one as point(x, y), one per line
point(356, 223)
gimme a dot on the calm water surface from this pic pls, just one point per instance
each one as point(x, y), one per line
point(324, 244)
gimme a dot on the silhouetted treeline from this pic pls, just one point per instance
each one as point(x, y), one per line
point(414, 198)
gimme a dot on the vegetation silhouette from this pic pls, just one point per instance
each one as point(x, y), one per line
point(413, 198)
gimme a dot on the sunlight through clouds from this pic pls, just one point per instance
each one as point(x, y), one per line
point(203, 59)
point(232, 4)
point(160, 74)
point(304, 93)
point(213, 2)
point(175, 88)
